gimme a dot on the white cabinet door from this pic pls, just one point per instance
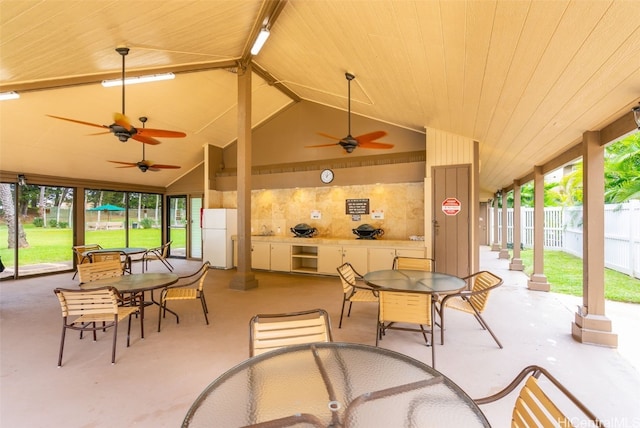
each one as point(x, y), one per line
point(381, 258)
point(281, 257)
point(329, 258)
point(357, 256)
point(261, 255)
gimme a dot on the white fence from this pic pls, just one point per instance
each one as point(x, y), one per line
point(563, 231)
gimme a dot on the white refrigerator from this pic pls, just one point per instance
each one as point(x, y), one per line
point(218, 225)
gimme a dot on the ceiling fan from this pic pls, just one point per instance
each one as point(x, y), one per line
point(144, 165)
point(349, 143)
point(121, 127)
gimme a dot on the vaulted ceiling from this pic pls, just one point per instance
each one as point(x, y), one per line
point(523, 78)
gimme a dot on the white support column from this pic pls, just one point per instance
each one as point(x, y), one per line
point(516, 261)
point(538, 280)
point(591, 325)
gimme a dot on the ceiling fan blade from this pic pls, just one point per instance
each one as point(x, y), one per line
point(145, 140)
point(78, 121)
point(375, 145)
point(161, 166)
point(370, 136)
point(99, 133)
point(122, 120)
point(322, 145)
point(127, 164)
point(148, 132)
point(328, 136)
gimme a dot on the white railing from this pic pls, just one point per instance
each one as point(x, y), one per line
point(563, 231)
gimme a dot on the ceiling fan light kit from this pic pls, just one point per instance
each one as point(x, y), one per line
point(144, 165)
point(349, 143)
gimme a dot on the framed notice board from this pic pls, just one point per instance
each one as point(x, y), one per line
point(357, 206)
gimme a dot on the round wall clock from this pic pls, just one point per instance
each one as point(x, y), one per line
point(326, 176)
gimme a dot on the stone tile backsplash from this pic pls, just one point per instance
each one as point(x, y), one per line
point(278, 210)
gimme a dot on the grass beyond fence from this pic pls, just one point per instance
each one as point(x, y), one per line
point(564, 273)
point(51, 245)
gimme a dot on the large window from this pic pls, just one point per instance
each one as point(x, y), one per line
point(36, 232)
point(123, 219)
point(36, 225)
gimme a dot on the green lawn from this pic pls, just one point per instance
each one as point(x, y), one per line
point(564, 273)
point(54, 245)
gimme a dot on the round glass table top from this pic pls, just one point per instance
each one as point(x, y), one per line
point(333, 385)
point(415, 281)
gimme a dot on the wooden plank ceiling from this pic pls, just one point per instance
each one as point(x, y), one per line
point(524, 78)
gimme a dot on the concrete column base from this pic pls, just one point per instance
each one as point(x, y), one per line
point(504, 254)
point(593, 329)
point(538, 282)
point(516, 264)
point(496, 246)
point(243, 281)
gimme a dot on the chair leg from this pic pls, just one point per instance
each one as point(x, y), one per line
point(350, 305)
point(424, 334)
point(64, 330)
point(204, 303)
point(484, 325)
point(204, 309)
point(341, 313)
point(115, 337)
point(129, 330)
point(160, 313)
point(378, 333)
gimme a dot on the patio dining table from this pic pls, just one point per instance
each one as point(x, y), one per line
point(333, 385)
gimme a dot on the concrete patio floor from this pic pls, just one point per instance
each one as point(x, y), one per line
point(154, 382)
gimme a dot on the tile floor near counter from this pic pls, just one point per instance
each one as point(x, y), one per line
point(154, 382)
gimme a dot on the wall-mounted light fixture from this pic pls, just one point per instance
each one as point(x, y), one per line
point(636, 114)
point(139, 79)
point(22, 180)
point(499, 193)
point(12, 95)
point(263, 35)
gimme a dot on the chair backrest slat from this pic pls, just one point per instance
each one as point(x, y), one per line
point(413, 263)
point(273, 331)
point(88, 272)
point(347, 277)
point(482, 281)
point(412, 308)
point(80, 249)
point(535, 408)
point(87, 302)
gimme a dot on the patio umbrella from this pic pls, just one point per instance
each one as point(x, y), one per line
point(107, 208)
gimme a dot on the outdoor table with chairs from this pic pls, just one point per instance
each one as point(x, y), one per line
point(135, 285)
point(410, 296)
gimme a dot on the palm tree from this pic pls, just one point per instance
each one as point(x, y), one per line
point(622, 170)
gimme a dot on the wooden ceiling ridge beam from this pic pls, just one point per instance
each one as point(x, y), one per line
point(267, 17)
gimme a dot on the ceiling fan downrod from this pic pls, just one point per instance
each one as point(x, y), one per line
point(123, 51)
point(349, 77)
